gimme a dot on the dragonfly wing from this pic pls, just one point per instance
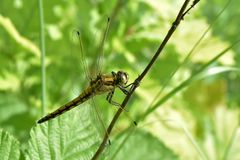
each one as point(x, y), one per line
point(100, 52)
point(82, 57)
point(100, 123)
point(92, 71)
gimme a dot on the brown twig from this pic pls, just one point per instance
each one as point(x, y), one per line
point(183, 11)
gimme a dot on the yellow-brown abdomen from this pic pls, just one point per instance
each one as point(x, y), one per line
point(75, 102)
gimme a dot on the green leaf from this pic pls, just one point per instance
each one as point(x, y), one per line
point(141, 146)
point(217, 70)
point(10, 106)
point(234, 147)
point(73, 135)
point(9, 147)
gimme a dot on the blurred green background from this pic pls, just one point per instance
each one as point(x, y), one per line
point(200, 120)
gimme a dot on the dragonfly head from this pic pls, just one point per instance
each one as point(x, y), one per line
point(122, 78)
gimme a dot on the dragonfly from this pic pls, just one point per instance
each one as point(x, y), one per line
point(102, 83)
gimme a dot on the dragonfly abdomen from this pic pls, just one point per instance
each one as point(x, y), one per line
point(84, 96)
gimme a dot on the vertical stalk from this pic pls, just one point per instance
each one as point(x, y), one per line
point(42, 46)
point(183, 11)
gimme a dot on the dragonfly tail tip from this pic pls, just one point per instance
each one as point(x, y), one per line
point(40, 121)
point(135, 123)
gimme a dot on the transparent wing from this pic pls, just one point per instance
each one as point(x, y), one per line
point(97, 62)
point(100, 124)
point(91, 137)
point(84, 64)
point(100, 55)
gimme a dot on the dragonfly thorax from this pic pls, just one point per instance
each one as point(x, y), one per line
point(121, 78)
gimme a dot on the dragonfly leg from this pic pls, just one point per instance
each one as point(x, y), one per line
point(128, 85)
point(109, 99)
point(135, 83)
point(123, 89)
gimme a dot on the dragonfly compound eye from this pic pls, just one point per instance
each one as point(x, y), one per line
point(123, 77)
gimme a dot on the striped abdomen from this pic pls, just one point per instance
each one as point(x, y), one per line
point(84, 96)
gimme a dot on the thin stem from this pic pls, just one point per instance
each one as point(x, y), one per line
point(182, 64)
point(167, 37)
point(136, 83)
point(181, 86)
point(42, 46)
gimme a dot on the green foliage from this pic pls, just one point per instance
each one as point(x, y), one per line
point(71, 136)
point(9, 146)
point(138, 147)
point(194, 84)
